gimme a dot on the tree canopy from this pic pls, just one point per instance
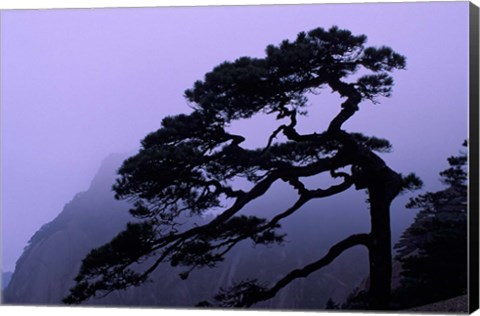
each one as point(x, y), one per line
point(192, 163)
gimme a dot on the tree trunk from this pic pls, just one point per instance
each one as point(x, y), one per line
point(383, 185)
point(381, 194)
point(380, 254)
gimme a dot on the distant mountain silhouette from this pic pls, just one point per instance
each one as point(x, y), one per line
point(45, 271)
point(6, 276)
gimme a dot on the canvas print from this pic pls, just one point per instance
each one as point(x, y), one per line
point(279, 157)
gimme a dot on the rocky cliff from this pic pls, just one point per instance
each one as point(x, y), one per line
point(45, 271)
point(6, 276)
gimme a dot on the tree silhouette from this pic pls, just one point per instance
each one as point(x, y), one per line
point(192, 164)
point(433, 249)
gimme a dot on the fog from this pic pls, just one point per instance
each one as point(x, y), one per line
point(77, 85)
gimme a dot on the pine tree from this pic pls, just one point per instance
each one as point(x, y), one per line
point(190, 166)
point(433, 250)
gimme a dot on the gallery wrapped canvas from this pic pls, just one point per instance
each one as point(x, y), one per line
point(309, 157)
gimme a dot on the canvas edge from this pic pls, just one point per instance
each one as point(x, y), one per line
point(473, 286)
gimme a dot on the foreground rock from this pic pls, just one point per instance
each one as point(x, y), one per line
point(454, 305)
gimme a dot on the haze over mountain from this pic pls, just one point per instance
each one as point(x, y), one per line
point(46, 269)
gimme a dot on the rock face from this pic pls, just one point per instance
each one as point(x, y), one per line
point(6, 276)
point(46, 269)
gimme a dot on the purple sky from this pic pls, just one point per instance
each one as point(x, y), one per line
point(77, 85)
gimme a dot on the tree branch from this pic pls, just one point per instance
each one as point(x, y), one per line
point(349, 107)
point(333, 253)
point(249, 293)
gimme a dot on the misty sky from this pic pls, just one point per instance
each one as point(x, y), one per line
point(77, 85)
